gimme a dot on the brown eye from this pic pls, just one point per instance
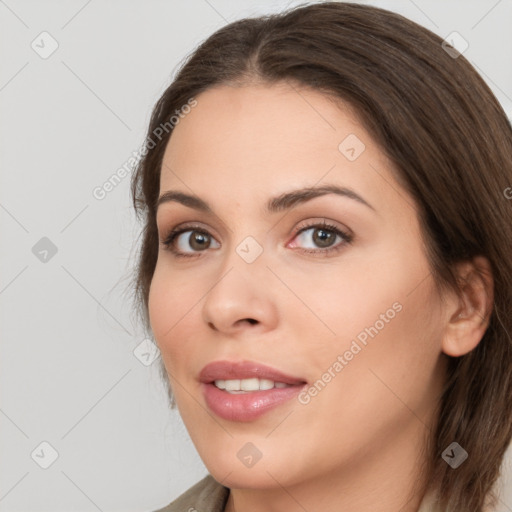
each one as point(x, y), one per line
point(188, 241)
point(321, 238)
point(198, 241)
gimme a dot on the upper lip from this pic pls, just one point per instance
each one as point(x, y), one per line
point(228, 370)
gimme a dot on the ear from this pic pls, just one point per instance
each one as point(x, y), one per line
point(469, 316)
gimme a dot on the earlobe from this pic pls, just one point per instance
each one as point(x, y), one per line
point(469, 315)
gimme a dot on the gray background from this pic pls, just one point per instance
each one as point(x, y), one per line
point(69, 375)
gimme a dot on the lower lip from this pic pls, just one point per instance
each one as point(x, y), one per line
point(246, 406)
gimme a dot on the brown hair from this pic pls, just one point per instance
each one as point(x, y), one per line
point(451, 144)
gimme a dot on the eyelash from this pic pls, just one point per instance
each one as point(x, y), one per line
point(168, 242)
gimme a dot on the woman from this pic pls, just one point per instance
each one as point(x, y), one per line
point(325, 265)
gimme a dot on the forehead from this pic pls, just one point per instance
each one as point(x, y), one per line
point(252, 140)
point(267, 120)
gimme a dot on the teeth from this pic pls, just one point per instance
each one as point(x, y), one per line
point(249, 384)
point(269, 384)
point(221, 384)
point(254, 384)
point(232, 385)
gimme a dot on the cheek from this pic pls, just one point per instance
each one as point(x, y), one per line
point(380, 310)
point(383, 383)
point(389, 353)
point(171, 306)
point(159, 305)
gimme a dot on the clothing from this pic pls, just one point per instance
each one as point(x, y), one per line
point(210, 496)
point(205, 496)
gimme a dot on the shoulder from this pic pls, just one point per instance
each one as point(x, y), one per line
point(207, 495)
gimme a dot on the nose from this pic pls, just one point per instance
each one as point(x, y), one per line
point(241, 297)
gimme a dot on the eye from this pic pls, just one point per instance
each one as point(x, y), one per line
point(322, 235)
point(322, 238)
point(198, 239)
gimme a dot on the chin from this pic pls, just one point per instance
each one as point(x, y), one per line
point(266, 473)
point(244, 478)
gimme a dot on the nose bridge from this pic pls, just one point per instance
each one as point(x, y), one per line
point(242, 266)
point(246, 240)
point(240, 291)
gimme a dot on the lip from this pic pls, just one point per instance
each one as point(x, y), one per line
point(227, 370)
point(244, 407)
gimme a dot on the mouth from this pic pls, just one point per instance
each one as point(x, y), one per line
point(248, 385)
point(244, 391)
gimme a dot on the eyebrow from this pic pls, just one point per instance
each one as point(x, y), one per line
point(277, 204)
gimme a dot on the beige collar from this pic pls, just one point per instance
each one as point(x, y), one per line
point(429, 503)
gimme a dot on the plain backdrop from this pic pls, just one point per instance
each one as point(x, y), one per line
point(77, 392)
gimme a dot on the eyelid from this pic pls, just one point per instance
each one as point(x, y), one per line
point(320, 221)
point(186, 225)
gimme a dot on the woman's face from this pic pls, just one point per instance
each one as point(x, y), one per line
point(334, 331)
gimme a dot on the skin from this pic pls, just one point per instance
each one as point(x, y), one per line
point(357, 444)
